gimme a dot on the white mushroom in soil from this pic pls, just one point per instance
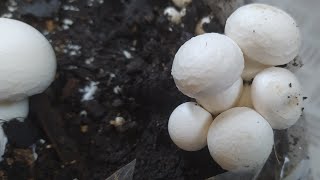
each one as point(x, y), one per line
point(14, 110)
point(251, 69)
point(28, 65)
point(181, 3)
point(264, 33)
point(240, 139)
point(224, 100)
point(207, 65)
point(245, 98)
point(277, 96)
point(199, 27)
point(188, 126)
point(174, 15)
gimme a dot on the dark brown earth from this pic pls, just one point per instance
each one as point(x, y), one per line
point(75, 139)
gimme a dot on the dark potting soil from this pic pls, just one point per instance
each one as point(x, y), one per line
point(122, 52)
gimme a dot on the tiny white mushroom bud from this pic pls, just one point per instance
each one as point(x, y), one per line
point(240, 139)
point(188, 126)
point(265, 33)
point(251, 69)
point(217, 103)
point(245, 98)
point(14, 110)
point(27, 61)
point(199, 27)
point(277, 96)
point(174, 15)
point(181, 3)
point(209, 62)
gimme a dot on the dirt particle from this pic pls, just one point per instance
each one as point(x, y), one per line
point(290, 85)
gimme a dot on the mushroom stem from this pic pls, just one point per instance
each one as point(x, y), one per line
point(14, 110)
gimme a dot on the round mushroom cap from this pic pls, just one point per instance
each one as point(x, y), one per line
point(251, 69)
point(277, 96)
point(188, 126)
point(217, 103)
point(14, 110)
point(264, 33)
point(240, 139)
point(27, 61)
point(208, 62)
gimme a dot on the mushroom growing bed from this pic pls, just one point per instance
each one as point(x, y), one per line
point(113, 93)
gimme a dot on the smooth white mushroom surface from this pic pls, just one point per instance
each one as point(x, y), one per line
point(251, 69)
point(14, 110)
point(277, 96)
point(245, 98)
point(188, 126)
point(217, 103)
point(265, 33)
point(27, 61)
point(240, 139)
point(209, 62)
point(181, 3)
point(3, 142)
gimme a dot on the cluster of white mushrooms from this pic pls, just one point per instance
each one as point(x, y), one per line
point(217, 70)
point(28, 67)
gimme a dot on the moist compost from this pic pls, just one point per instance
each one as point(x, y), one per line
point(112, 96)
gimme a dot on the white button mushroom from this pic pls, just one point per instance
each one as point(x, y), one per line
point(251, 69)
point(245, 98)
point(277, 96)
point(217, 103)
point(207, 63)
point(174, 15)
point(199, 27)
point(181, 3)
point(14, 110)
point(264, 33)
point(240, 139)
point(188, 126)
point(27, 61)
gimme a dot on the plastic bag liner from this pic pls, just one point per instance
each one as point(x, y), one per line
point(298, 154)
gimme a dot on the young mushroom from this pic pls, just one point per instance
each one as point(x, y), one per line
point(240, 139)
point(224, 100)
point(199, 27)
point(188, 126)
point(207, 65)
point(264, 33)
point(28, 66)
point(277, 96)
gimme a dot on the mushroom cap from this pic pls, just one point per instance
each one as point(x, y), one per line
point(277, 95)
point(217, 103)
point(27, 61)
point(205, 63)
point(181, 3)
point(264, 33)
point(188, 126)
point(199, 27)
point(240, 139)
point(14, 110)
point(251, 69)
